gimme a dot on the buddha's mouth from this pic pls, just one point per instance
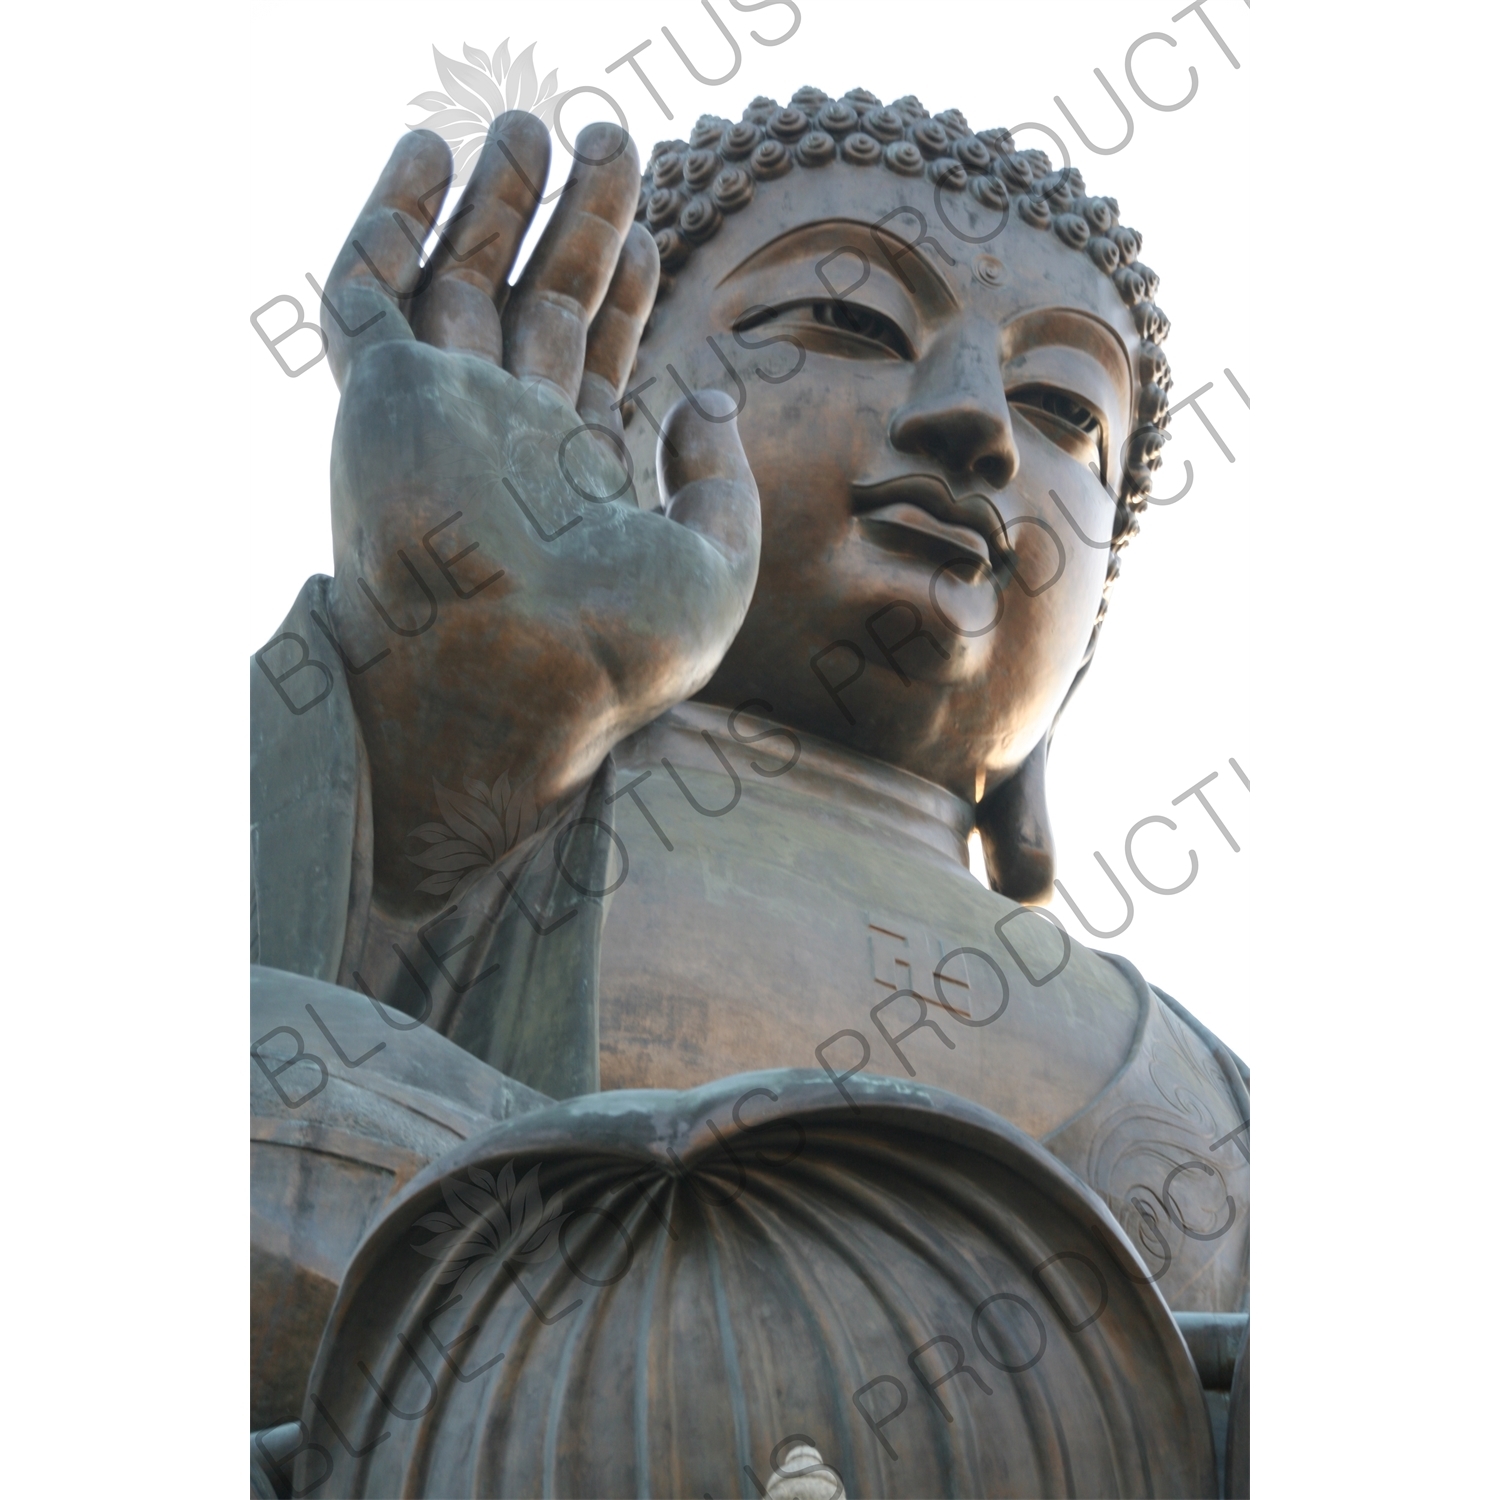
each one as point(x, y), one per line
point(918, 513)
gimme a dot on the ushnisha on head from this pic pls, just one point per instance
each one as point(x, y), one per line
point(690, 186)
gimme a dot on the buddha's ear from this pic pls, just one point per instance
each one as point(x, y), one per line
point(1016, 833)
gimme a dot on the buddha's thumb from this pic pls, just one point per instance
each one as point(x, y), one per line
point(705, 479)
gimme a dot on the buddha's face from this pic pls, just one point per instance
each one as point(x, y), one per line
point(924, 594)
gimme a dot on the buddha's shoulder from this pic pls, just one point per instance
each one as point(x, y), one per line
point(1092, 1032)
point(1081, 983)
point(1073, 983)
point(1175, 1072)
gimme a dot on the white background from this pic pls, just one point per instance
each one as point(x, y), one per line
point(149, 450)
point(1164, 704)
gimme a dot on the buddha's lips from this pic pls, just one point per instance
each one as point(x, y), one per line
point(924, 504)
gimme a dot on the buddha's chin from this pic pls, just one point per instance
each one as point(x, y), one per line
point(942, 622)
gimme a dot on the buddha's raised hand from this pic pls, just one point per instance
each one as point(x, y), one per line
point(494, 620)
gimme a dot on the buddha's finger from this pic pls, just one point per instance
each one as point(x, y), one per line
point(706, 483)
point(378, 268)
point(616, 330)
point(456, 309)
point(549, 312)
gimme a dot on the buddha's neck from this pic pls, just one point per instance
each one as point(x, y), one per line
point(829, 779)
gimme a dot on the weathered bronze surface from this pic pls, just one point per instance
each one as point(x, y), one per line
point(876, 1224)
point(329, 1145)
point(696, 599)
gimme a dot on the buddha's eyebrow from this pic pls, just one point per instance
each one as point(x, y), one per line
point(881, 245)
point(903, 247)
point(1070, 328)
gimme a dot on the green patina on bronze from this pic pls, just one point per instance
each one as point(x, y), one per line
point(611, 814)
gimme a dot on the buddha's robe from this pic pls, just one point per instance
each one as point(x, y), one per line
point(728, 896)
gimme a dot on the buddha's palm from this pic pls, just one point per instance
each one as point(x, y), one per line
point(494, 620)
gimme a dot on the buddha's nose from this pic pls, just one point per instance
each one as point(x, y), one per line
point(958, 414)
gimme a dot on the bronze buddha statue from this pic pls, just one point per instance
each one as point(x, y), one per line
point(697, 598)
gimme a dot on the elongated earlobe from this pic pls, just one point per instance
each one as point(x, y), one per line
point(1017, 835)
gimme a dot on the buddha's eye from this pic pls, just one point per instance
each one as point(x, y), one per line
point(1064, 419)
point(836, 327)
